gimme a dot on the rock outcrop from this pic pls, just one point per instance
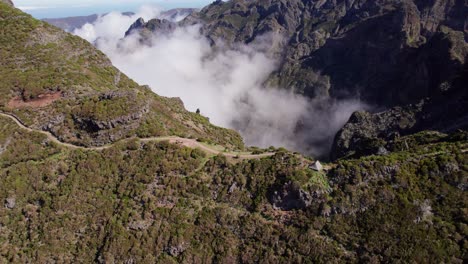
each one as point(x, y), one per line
point(10, 203)
point(165, 23)
point(351, 48)
point(147, 30)
point(291, 197)
point(137, 25)
point(366, 132)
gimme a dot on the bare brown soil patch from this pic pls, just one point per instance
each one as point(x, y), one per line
point(42, 100)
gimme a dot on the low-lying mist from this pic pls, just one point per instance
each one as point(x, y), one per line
point(227, 86)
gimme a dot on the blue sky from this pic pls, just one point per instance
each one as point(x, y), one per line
point(65, 8)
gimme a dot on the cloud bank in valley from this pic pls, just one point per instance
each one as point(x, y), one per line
point(227, 86)
point(112, 26)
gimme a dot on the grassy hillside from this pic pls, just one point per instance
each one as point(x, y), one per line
point(58, 82)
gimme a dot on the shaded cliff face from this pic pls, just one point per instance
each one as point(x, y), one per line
point(388, 53)
point(385, 52)
point(366, 133)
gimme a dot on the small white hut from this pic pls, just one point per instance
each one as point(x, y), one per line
point(317, 166)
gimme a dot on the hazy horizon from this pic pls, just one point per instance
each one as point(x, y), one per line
point(61, 8)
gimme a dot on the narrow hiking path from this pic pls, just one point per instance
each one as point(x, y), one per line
point(187, 142)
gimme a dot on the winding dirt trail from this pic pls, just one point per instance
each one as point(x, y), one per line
point(187, 142)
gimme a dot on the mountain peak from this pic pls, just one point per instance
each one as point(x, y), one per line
point(140, 22)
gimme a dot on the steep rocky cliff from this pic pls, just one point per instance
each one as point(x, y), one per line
point(447, 112)
point(387, 53)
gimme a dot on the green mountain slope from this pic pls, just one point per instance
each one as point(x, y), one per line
point(58, 82)
point(161, 203)
point(155, 202)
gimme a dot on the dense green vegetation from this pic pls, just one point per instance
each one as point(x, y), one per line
point(157, 202)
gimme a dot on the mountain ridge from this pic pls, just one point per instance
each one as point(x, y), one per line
point(312, 46)
point(83, 99)
point(389, 54)
point(157, 202)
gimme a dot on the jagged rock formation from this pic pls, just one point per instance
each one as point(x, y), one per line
point(446, 113)
point(387, 52)
point(165, 24)
point(149, 29)
point(135, 26)
point(352, 48)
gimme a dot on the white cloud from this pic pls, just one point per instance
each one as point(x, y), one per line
point(112, 26)
point(226, 85)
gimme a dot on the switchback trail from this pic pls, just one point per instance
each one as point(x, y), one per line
point(191, 143)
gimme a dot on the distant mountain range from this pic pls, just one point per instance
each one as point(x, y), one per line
point(69, 24)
